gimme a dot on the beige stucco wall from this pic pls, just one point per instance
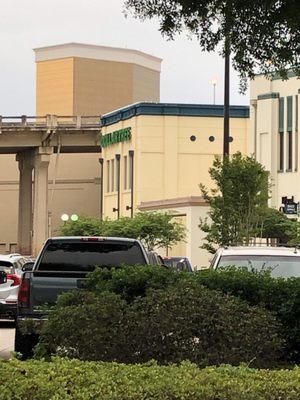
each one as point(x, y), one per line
point(167, 163)
point(264, 136)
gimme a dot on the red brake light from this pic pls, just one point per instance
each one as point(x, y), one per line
point(24, 293)
point(16, 279)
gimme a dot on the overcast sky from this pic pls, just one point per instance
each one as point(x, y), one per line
point(25, 24)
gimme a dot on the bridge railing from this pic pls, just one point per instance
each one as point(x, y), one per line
point(50, 121)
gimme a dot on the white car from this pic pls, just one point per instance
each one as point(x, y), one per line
point(11, 269)
point(280, 261)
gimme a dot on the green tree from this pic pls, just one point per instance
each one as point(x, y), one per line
point(277, 225)
point(237, 202)
point(262, 35)
point(153, 229)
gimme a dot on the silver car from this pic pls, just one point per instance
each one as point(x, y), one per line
point(10, 279)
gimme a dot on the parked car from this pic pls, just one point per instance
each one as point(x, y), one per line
point(280, 261)
point(11, 269)
point(178, 263)
point(62, 265)
point(155, 258)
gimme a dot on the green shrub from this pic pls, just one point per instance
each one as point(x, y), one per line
point(131, 281)
point(278, 295)
point(76, 380)
point(85, 326)
point(191, 322)
point(183, 322)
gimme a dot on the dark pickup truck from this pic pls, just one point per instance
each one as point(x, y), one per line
point(61, 265)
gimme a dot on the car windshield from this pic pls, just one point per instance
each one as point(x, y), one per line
point(84, 256)
point(6, 267)
point(279, 266)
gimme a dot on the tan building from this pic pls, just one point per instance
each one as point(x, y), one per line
point(274, 140)
point(82, 80)
point(155, 155)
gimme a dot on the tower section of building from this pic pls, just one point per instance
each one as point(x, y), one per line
point(81, 79)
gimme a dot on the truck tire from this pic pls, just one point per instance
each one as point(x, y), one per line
point(24, 344)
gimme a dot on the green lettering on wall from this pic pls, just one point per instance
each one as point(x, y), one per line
point(121, 135)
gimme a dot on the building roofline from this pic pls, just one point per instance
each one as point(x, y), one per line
point(172, 109)
point(97, 52)
point(190, 201)
point(276, 75)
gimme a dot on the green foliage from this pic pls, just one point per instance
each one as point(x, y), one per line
point(278, 295)
point(77, 380)
point(183, 321)
point(263, 36)
point(86, 326)
point(277, 225)
point(154, 229)
point(132, 281)
point(237, 203)
point(190, 322)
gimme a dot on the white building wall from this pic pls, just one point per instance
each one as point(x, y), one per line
point(264, 136)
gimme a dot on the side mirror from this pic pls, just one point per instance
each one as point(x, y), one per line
point(27, 267)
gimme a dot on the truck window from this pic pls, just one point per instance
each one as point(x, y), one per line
point(85, 256)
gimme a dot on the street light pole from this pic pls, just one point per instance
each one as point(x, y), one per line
point(214, 82)
point(226, 99)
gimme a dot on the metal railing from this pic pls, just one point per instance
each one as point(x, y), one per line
point(50, 122)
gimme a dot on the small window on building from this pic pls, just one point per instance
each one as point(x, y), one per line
point(112, 187)
point(296, 133)
point(289, 111)
point(108, 176)
point(125, 173)
point(131, 155)
point(290, 151)
point(281, 134)
point(281, 114)
point(281, 151)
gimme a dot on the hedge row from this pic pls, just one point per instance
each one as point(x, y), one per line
point(280, 296)
point(77, 380)
point(185, 321)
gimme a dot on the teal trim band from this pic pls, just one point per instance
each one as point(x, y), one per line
point(173, 109)
point(290, 74)
point(271, 95)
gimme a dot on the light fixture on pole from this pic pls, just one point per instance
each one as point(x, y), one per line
point(64, 217)
point(214, 82)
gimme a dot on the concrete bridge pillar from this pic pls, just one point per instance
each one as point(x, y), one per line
point(40, 199)
point(25, 160)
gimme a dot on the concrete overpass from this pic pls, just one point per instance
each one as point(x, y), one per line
point(34, 140)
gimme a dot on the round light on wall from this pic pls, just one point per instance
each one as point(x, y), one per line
point(64, 217)
point(193, 138)
point(211, 138)
point(74, 217)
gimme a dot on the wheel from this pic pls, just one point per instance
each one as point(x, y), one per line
point(24, 344)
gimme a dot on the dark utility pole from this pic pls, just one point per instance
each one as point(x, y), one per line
point(226, 98)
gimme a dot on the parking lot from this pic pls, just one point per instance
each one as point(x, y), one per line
point(7, 333)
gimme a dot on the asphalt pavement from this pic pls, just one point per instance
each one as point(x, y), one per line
point(7, 334)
